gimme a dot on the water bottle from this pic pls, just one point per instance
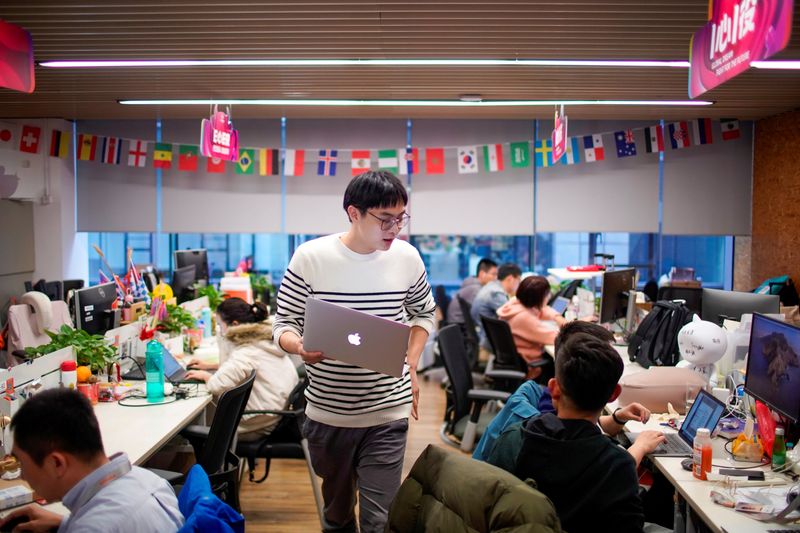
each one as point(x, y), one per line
point(779, 450)
point(205, 316)
point(701, 453)
point(154, 371)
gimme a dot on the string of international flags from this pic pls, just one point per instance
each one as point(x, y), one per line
point(267, 161)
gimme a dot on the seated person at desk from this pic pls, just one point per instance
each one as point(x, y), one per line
point(57, 441)
point(527, 316)
point(246, 345)
point(493, 295)
point(587, 475)
point(487, 271)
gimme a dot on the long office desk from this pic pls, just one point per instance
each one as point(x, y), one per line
point(141, 431)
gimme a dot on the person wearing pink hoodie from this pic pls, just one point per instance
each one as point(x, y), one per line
point(528, 315)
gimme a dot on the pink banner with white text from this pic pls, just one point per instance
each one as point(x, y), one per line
point(738, 32)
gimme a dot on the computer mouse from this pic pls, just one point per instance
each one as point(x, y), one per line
point(687, 464)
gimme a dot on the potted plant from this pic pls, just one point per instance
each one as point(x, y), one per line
point(92, 350)
point(214, 296)
point(262, 288)
point(177, 318)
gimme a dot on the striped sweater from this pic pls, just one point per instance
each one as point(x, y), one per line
point(391, 284)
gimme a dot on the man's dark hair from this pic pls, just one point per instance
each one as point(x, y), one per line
point(587, 370)
point(532, 290)
point(374, 189)
point(508, 269)
point(57, 420)
point(485, 265)
point(581, 326)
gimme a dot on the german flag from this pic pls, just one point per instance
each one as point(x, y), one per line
point(59, 144)
point(268, 162)
point(162, 155)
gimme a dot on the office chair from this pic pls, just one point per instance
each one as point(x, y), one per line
point(693, 296)
point(285, 441)
point(442, 302)
point(567, 291)
point(53, 289)
point(470, 333)
point(506, 356)
point(71, 285)
point(463, 422)
point(212, 444)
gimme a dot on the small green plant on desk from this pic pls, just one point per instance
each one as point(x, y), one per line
point(177, 319)
point(92, 350)
point(214, 296)
point(262, 288)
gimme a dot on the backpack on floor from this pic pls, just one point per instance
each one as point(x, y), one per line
point(656, 339)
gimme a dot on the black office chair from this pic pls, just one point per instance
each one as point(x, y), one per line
point(53, 289)
point(470, 333)
point(506, 356)
point(693, 296)
point(71, 285)
point(285, 441)
point(463, 422)
point(568, 291)
point(442, 302)
point(212, 444)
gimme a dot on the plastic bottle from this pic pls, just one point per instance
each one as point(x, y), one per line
point(69, 374)
point(154, 371)
point(205, 316)
point(702, 453)
point(779, 450)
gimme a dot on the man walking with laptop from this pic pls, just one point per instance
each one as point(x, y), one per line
point(357, 418)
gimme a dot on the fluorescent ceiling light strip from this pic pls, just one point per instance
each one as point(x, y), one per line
point(423, 103)
point(777, 65)
point(362, 62)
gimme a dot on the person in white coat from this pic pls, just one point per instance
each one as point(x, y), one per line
point(246, 345)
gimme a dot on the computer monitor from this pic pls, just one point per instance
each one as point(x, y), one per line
point(615, 302)
point(183, 280)
point(718, 305)
point(93, 308)
point(773, 365)
point(198, 258)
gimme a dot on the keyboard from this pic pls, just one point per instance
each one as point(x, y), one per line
point(673, 445)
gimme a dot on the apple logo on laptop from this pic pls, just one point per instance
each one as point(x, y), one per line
point(354, 339)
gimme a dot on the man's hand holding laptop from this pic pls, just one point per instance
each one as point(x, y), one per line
point(293, 343)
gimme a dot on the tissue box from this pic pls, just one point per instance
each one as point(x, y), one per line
point(15, 496)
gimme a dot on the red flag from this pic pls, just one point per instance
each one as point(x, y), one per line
point(215, 166)
point(29, 142)
point(434, 160)
point(187, 158)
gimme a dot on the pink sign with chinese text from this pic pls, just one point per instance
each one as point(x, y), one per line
point(738, 32)
point(16, 58)
point(218, 139)
point(559, 137)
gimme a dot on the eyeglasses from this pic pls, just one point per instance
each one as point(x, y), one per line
point(389, 223)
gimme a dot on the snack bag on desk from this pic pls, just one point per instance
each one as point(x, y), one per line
point(766, 427)
point(747, 449)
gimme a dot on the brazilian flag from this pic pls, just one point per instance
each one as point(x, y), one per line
point(245, 164)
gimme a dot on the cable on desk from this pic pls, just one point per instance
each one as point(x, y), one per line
point(172, 398)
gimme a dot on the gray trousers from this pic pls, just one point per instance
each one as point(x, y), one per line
point(368, 461)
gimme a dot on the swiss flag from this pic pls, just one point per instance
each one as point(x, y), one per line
point(29, 142)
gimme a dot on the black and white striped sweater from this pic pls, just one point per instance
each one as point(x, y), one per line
point(391, 284)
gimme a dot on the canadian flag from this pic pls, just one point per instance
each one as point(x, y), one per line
point(29, 142)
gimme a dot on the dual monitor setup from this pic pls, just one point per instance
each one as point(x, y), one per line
point(93, 306)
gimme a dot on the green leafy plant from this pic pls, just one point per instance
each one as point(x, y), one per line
point(177, 318)
point(261, 286)
point(214, 296)
point(92, 350)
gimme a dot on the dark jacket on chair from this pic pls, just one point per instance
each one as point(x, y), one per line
point(449, 492)
point(591, 480)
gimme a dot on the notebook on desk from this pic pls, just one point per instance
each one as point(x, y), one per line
point(706, 412)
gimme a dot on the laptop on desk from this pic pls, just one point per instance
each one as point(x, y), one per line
point(355, 337)
point(174, 371)
point(706, 412)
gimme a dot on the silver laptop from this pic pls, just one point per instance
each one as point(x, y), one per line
point(706, 412)
point(355, 337)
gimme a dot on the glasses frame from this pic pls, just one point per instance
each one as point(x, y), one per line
point(388, 223)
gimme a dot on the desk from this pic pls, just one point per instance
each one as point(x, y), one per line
point(142, 431)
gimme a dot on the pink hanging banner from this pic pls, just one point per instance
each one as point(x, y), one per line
point(16, 58)
point(738, 32)
point(559, 137)
point(218, 139)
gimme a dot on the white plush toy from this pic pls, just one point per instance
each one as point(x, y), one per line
point(702, 344)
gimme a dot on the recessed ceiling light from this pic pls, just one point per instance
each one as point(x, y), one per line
point(423, 103)
point(470, 98)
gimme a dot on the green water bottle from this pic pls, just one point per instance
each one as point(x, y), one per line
point(154, 371)
point(779, 450)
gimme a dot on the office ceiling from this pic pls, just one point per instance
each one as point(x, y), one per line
point(244, 29)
